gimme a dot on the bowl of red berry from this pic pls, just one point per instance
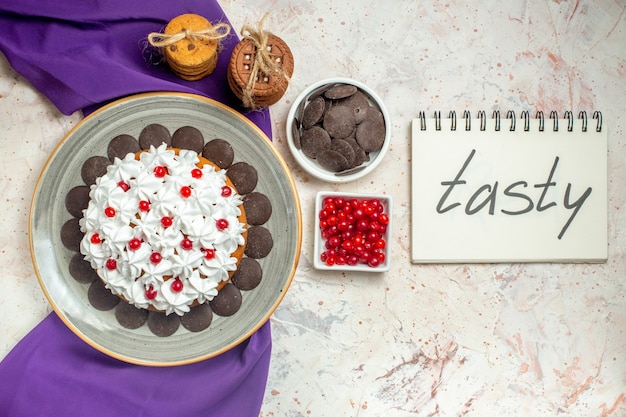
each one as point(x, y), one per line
point(352, 231)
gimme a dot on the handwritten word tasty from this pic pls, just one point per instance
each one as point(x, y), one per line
point(486, 196)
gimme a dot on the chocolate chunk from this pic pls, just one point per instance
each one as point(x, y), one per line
point(198, 318)
point(155, 135)
point(332, 161)
point(370, 134)
point(314, 141)
point(129, 316)
point(227, 302)
point(340, 91)
point(295, 134)
point(344, 148)
point(360, 155)
point(244, 177)
point(219, 152)
point(122, 145)
point(359, 105)
point(313, 112)
point(258, 208)
point(248, 275)
point(163, 325)
point(94, 167)
point(76, 200)
point(81, 270)
point(339, 122)
point(188, 137)
point(100, 297)
point(259, 243)
point(71, 234)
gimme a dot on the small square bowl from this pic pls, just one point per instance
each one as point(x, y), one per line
point(294, 130)
point(320, 241)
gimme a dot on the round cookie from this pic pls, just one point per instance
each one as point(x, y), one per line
point(188, 137)
point(219, 152)
point(163, 325)
point(81, 270)
point(100, 297)
point(227, 302)
point(260, 242)
point(154, 134)
point(129, 316)
point(94, 167)
point(244, 176)
point(248, 275)
point(268, 88)
point(71, 234)
point(198, 318)
point(76, 200)
point(122, 145)
point(258, 208)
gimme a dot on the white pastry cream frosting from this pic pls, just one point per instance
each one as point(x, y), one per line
point(161, 231)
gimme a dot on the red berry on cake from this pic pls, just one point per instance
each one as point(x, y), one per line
point(177, 285)
point(166, 221)
point(123, 185)
point(196, 173)
point(185, 191)
point(160, 171)
point(150, 293)
point(95, 239)
point(226, 191)
point(134, 244)
point(209, 253)
point(111, 264)
point(221, 224)
point(144, 205)
point(156, 257)
point(186, 244)
point(109, 212)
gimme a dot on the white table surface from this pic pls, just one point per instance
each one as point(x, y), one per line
point(421, 340)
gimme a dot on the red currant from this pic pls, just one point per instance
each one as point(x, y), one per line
point(109, 212)
point(156, 257)
point(196, 173)
point(123, 185)
point(186, 244)
point(177, 285)
point(221, 224)
point(185, 191)
point(166, 221)
point(383, 219)
point(209, 253)
point(111, 264)
point(144, 205)
point(134, 244)
point(226, 191)
point(160, 171)
point(95, 239)
point(150, 293)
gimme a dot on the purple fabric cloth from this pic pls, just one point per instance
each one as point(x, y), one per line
point(82, 54)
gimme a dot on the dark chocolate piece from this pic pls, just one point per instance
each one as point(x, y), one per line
point(188, 137)
point(76, 200)
point(332, 161)
point(219, 152)
point(227, 302)
point(258, 208)
point(155, 135)
point(163, 325)
point(260, 242)
point(94, 167)
point(345, 149)
point(339, 122)
point(100, 297)
point(314, 141)
point(244, 177)
point(313, 112)
point(122, 145)
point(340, 91)
point(129, 316)
point(370, 134)
point(198, 318)
point(71, 234)
point(358, 104)
point(81, 270)
point(248, 275)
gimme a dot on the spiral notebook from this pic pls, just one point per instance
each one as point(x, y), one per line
point(506, 189)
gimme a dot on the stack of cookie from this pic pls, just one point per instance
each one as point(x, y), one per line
point(246, 77)
point(194, 56)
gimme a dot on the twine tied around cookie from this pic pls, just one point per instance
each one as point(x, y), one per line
point(264, 61)
point(217, 32)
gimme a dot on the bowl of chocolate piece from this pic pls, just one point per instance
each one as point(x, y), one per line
point(338, 130)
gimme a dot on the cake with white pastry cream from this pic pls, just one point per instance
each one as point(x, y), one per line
point(164, 229)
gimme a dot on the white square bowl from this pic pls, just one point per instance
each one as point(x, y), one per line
point(320, 243)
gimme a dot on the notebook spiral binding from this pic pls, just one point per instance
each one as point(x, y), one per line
point(510, 115)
